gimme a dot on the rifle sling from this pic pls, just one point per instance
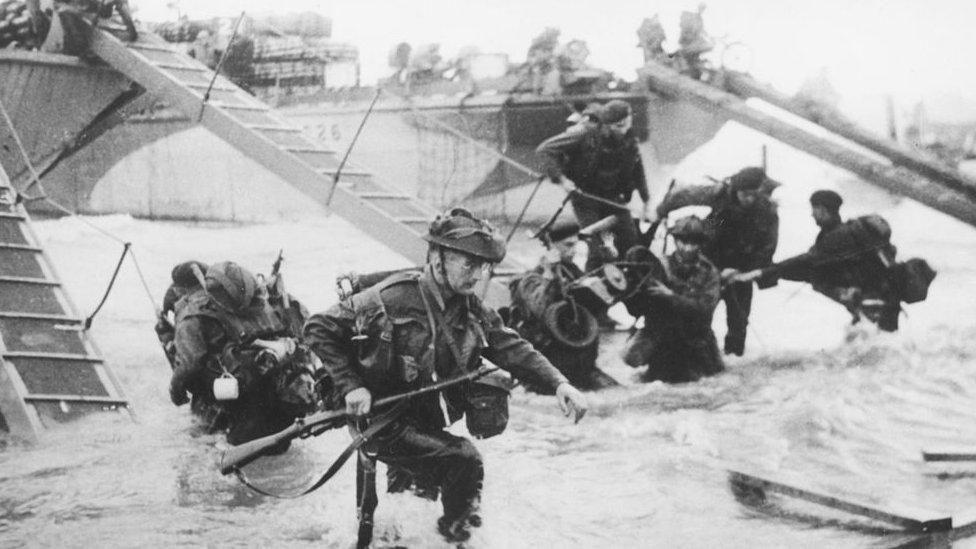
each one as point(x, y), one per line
point(375, 426)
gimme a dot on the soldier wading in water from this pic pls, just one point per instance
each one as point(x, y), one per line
point(414, 329)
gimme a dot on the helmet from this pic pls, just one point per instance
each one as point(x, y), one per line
point(231, 285)
point(461, 231)
point(183, 274)
point(690, 228)
point(748, 179)
point(615, 111)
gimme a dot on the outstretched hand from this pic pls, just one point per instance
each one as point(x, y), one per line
point(746, 277)
point(571, 401)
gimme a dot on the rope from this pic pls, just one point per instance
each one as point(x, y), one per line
point(142, 279)
point(23, 151)
point(220, 63)
point(21, 197)
point(108, 290)
point(451, 129)
point(518, 220)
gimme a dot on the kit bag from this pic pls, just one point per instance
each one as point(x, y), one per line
point(912, 279)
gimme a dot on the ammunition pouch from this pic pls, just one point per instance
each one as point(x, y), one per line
point(487, 406)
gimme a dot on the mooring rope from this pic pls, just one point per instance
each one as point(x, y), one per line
point(126, 246)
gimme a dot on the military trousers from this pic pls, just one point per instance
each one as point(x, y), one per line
point(624, 231)
point(434, 456)
point(738, 305)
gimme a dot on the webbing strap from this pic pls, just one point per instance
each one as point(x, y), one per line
point(362, 438)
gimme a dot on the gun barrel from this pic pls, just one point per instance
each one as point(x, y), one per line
point(242, 454)
point(239, 456)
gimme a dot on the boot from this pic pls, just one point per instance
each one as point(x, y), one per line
point(734, 345)
point(454, 530)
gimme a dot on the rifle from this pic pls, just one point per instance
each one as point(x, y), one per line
point(315, 424)
point(647, 237)
point(276, 283)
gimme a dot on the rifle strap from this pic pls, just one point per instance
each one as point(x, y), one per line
point(375, 426)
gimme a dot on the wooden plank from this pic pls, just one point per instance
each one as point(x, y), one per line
point(261, 108)
point(670, 83)
point(916, 520)
point(215, 87)
point(946, 454)
point(26, 280)
point(282, 129)
point(24, 247)
point(37, 316)
point(20, 417)
point(171, 66)
point(51, 356)
point(391, 196)
point(74, 398)
point(830, 118)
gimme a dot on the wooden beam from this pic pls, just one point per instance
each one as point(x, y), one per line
point(670, 83)
point(828, 117)
point(915, 520)
point(945, 454)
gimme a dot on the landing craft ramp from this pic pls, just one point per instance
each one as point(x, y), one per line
point(50, 368)
point(395, 219)
point(953, 197)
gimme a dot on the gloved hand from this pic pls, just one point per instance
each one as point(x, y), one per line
point(282, 348)
point(177, 393)
point(359, 401)
point(571, 401)
point(568, 185)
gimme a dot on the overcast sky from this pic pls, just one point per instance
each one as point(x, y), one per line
point(904, 47)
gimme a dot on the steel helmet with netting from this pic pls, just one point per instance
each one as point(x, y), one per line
point(461, 231)
point(233, 286)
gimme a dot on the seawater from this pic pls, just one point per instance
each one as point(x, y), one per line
point(844, 410)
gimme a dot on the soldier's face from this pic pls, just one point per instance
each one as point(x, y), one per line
point(463, 271)
point(747, 198)
point(820, 215)
point(621, 127)
point(566, 248)
point(687, 249)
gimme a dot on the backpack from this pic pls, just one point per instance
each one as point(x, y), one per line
point(912, 279)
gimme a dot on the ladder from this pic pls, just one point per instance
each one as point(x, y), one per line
point(50, 369)
point(952, 199)
point(398, 220)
